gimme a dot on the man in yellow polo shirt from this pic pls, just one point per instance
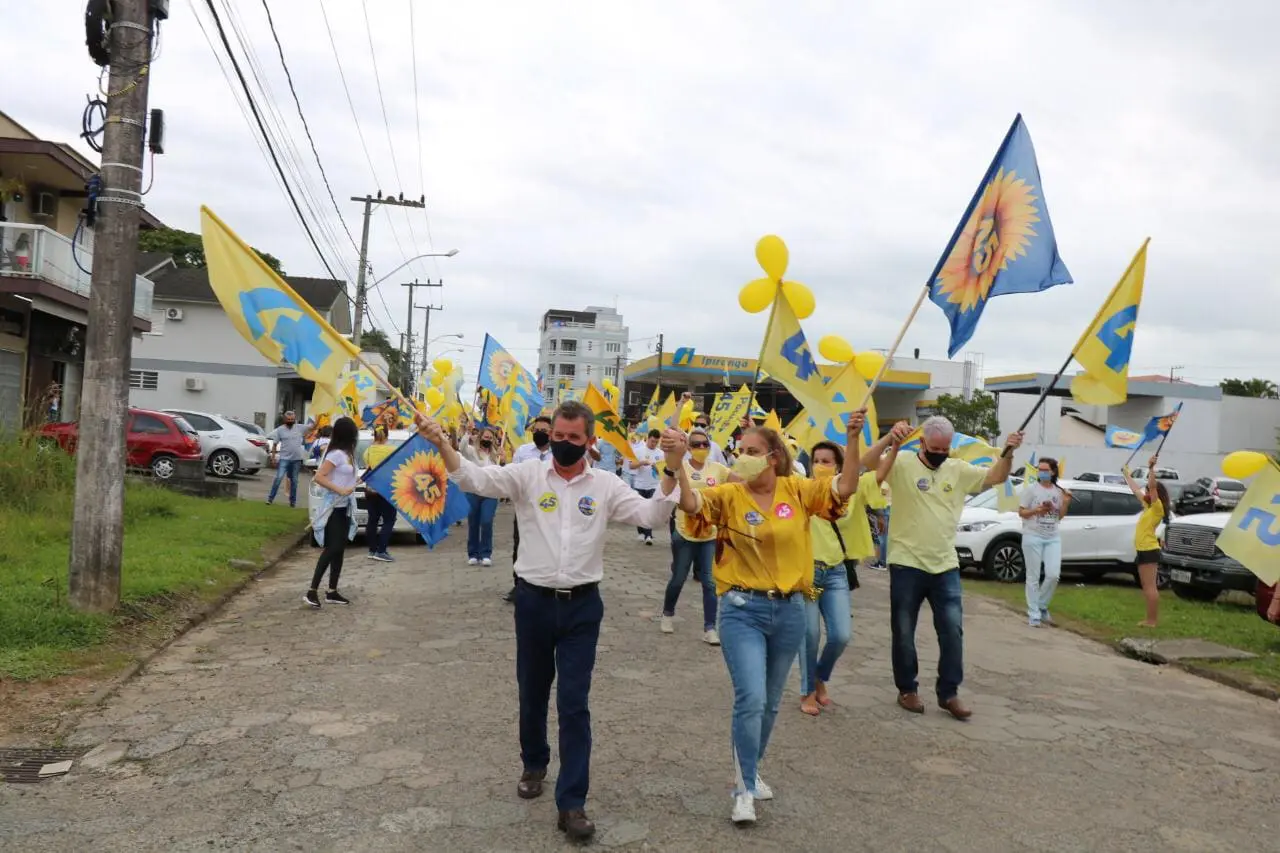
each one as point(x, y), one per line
point(929, 488)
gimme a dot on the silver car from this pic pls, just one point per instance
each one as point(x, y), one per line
point(227, 448)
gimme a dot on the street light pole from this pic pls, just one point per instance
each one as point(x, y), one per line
point(406, 379)
point(369, 202)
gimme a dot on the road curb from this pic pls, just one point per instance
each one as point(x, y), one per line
point(283, 547)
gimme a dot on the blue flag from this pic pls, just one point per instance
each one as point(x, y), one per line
point(1124, 439)
point(416, 482)
point(517, 389)
point(1003, 244)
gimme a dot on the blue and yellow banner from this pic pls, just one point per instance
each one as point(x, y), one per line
point(1124, 439)
point(1105, 348)
point(415, 481)
point(511, 384)
point(975, 451)
point(265, 310)
point(787, 357)
point(1252, 535)
point(1003, 244)
point(846, 392)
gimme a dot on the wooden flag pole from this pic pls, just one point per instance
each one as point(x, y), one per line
point(893, 350)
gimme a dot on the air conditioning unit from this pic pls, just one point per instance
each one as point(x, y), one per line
point(173, 313)
point(44, 205)
point(194, 383)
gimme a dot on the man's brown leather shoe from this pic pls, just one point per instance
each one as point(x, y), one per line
point(955, 708)
point(530, 786)
point(576, 824)
point(911, 702)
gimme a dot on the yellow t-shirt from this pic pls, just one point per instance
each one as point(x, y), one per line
point(377, 453)
point(926, 509)
point(1144, 538)
point(712, 474)
point(763, 550)
point(854, 527)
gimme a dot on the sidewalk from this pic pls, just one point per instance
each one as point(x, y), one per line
point(390, 725)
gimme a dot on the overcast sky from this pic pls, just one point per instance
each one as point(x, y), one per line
point(582, 153)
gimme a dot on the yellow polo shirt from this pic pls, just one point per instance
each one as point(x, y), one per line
point(712, 474)
point(854, 527)
point(766, 549)
point(926, 509)
point(375, 454)
point(1144, 538)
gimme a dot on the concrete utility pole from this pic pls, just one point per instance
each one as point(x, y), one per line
point(406, 379)
point(369, 202)
point(97, 528)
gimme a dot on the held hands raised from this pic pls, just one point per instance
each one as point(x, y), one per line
point(854, 424)
point(673, 445)
point(900, 431)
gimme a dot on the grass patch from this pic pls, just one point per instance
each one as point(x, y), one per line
point(1111, 612)
point(176, 552)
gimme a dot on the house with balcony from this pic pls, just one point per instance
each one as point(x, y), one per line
point(578, 348)
point(46, 255)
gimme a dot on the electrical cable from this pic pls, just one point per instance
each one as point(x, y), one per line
point(95, 109)
point(417, 117)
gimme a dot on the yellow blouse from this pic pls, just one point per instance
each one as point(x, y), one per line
point(1144, 537)
point(712, 474)
point(763, 550)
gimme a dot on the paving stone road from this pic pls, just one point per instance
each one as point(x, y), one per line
point(390, 725)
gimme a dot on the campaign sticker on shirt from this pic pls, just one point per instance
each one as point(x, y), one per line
point(711, 481)
point(548, 502)
point(754, 518)
point(922, 484)
point(947, 487)
point(783, 511)
point(695, 476)
point(587, 506)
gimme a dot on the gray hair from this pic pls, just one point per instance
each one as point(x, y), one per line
point(572, 410)
point(937, 427)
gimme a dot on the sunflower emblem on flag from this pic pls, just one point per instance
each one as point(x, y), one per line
point(419, 486)
point(501, 367)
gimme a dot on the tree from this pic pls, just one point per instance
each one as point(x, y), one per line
point(375, 340)
point(1263, 388)
point(976, 417)
point(187, 249)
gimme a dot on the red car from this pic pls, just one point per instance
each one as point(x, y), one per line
point(154, 440)
point(1262, 599)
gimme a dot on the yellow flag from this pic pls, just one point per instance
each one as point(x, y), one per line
point(772, 422)
point(1252, 535)
point(1008, 495)
point(349, 399)
point(975, 451)
point(663, 417)
point(323, 401)
point(266, 311)
point(787, 358)
point(728, 412)
point(608, 426)
point(1106, 346)
point(845, 393)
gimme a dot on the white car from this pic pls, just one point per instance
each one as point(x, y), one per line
point(315, 493)
point(227, 447)
point(1140, 474)
point(1097, 533)
point(1102, 477)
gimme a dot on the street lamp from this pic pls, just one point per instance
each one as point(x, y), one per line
point(458, 335)
point(448, 254)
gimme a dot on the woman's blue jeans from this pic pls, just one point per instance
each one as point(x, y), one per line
point(700, 557)
point(480, 527)
point(760, 638)
point(1041, 553)
point(832, 607)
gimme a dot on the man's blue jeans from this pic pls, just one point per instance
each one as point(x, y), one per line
point(760, 638)
point(480, 526)
point(909, 588)
point(832, 607)
point(287, 468)
point(701, 557)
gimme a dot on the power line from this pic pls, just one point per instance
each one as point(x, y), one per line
point(417, 117)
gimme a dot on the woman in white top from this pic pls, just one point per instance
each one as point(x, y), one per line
point(1042, 506)
point(482, 449)
point(337, 475)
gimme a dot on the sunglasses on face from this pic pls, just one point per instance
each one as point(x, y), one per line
point(699, 447)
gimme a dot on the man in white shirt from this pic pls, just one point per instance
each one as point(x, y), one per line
point(566, 506)
point(644, 475)
point(540, 449)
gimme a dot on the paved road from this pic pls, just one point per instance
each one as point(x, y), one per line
point(391, 726)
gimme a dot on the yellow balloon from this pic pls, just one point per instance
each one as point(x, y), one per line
point(1243, 463)
point(435, 398)
point(868, 364)
point(757, 295)
point(453, 410)
point(835, 348)
point(443, 365)
point(772, 255)
point(800, 297)
point(437, 378)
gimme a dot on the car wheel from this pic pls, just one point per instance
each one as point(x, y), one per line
point(1195, 593)
point(163, 467)
point(224, 464)
point(1003, 561)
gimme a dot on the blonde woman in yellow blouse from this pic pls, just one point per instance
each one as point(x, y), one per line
point(764, 570)
point(837, 548)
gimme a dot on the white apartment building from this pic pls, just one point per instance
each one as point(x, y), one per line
point(580, 347)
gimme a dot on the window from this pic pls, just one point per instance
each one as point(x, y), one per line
point(586, 370)
point(551, 345)
point(149, 425)
point(1116, 503)
point(1088, 478)
point(613, 348)
point(157, 322)
point(611, 372)
point(568, 370)
point(200, 422)
point(1081, 503)
point(144, 380)
point(551, 370)
point(590, 345)
point(569, 346)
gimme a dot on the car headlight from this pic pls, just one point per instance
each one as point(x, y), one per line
point(975, 526)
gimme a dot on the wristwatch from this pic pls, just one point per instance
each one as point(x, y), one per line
point(668, 471)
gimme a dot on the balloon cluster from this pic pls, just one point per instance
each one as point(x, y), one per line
point(435, 397)
point(755, 296)
point(1244, 464)
point(835, 348)
point(610, 390)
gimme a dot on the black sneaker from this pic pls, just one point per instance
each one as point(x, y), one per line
point(335, 597)
point(510, 596)
point(312, 598)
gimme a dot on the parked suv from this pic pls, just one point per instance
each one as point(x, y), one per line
point(1097, 533)
point(1101, 477)
point(153, 440)
point(1198, 570)
point(1209, 494)
point(227, 447)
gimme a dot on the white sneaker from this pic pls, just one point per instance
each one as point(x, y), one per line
point(472, 561)
point(763, 791)
point(710, 637)
point(668, 625)
point(744, 809)
point(648, 540)
point(639, 537)
point(486, 562)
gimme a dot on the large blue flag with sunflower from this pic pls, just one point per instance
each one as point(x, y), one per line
point(506, 379)
point(1003, 244)
point(416, 482)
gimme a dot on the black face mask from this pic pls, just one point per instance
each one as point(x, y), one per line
point(541, 439)
point(935, 460)
point(567, 454)
point(486, 443)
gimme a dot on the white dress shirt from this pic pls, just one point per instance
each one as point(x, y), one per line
point(528, 451)
point(563, 523)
